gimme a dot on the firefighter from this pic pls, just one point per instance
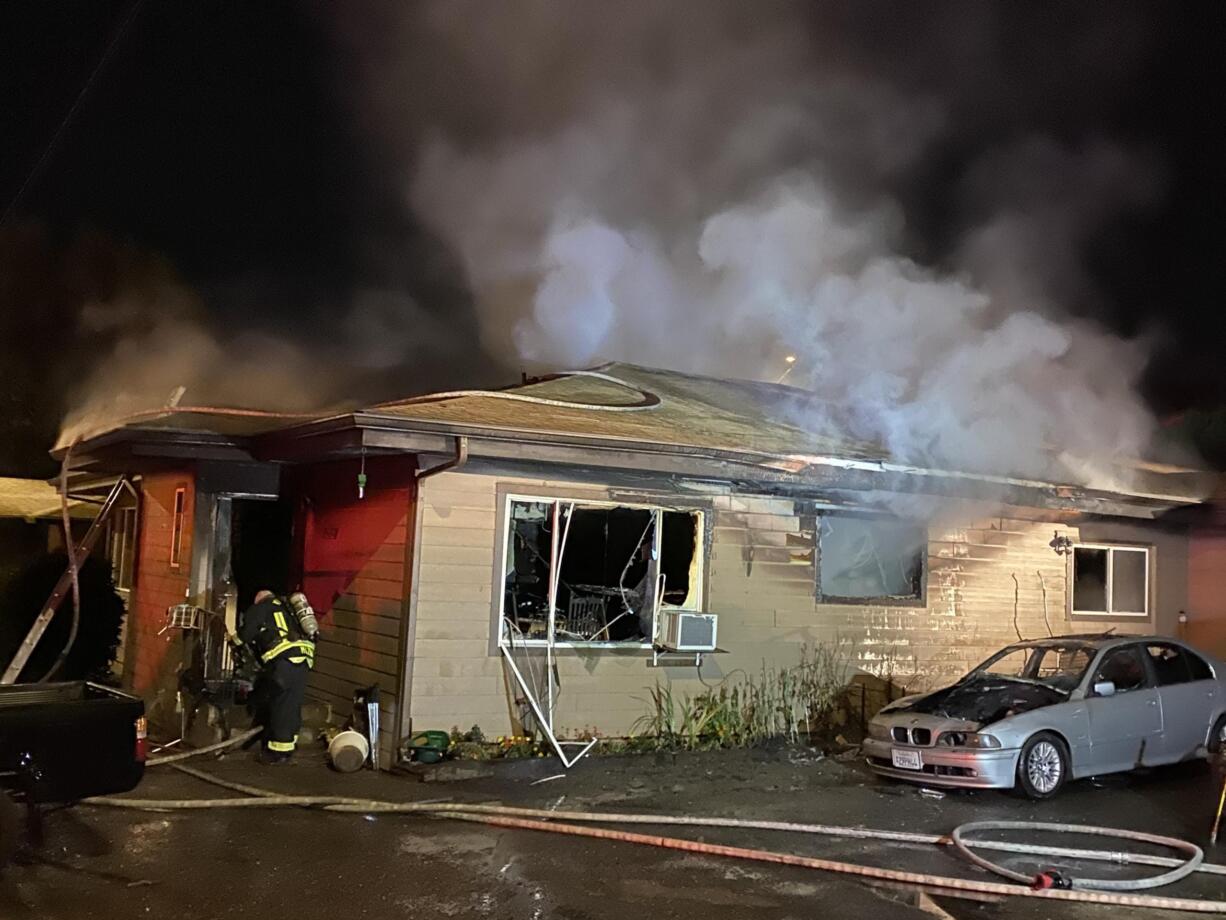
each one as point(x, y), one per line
point(285, 650)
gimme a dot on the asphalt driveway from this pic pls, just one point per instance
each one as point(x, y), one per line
point(107, 863)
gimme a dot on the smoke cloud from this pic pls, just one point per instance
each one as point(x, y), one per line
point(886, 206)
point(139, 338)
point(714, 187)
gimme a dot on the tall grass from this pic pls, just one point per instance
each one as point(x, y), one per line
point(747, 709)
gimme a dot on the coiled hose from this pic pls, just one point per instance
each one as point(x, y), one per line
point(1195, 855)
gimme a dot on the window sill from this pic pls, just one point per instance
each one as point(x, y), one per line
point(871, 601)
point(1106, 615)
point(579, 646)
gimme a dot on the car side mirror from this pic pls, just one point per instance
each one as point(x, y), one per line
point(1104, 688)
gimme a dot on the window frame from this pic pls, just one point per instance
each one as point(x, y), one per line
point(886, 600)
point(178, 518)
point(695, 603)
point(1111, 549)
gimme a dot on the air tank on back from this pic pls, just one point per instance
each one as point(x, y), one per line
point(304, 614)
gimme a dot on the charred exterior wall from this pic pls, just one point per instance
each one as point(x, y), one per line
point(759, 578)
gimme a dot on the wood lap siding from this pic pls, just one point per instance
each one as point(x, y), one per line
point(456, 683)
point(354, 574)
point(760, 580)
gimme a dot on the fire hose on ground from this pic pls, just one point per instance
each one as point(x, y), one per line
point(1072, 889)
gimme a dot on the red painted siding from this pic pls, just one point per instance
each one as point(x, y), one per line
point(353, 571)
point(1207, 591)
point(150, 662)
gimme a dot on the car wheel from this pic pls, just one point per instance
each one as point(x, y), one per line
point(1217, 737)
point(1043, 766)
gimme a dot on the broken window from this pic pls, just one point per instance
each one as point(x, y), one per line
point(868, 559)
point(607, 569)
point(1110, 580)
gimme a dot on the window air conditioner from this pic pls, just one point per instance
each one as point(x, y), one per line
point(684, 631)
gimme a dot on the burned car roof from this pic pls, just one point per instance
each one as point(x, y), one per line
point(1091, 640)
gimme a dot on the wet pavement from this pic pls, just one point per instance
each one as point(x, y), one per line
point(106, 863)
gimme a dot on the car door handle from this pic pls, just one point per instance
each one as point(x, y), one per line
point(1151, 702)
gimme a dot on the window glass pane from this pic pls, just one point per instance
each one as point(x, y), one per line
point(869, 558)
point(1128, 581)
point(1089, 579)
point(127, 560)
point(1170, 665)
point(1199, 670)
point(176, 534)
point(1123, 668)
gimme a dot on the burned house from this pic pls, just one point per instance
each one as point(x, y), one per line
point(628, 526)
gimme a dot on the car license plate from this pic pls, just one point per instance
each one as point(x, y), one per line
point(907, 760)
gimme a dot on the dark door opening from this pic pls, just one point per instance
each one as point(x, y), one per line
point(261, 545)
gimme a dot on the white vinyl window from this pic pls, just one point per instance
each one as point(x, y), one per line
point(176, 527)
point(1109, 580)
point(121, 548)
point(605, 569)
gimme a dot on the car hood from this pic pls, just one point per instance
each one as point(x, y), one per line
point(982, 701)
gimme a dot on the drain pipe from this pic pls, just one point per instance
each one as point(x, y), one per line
point(457, 461)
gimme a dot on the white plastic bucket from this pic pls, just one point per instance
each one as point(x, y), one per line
point(348, 751)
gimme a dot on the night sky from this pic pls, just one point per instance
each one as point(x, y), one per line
point(221, 138)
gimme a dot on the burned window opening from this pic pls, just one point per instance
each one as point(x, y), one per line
point(870, 560)
point(618, 565)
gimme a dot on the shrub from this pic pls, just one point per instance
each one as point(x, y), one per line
point(794, 703)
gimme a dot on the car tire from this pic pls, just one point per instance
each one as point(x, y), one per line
point(10, 829)
point(1043, 766)
point(1217, 736)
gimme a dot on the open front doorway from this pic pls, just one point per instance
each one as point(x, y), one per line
point(261, 547)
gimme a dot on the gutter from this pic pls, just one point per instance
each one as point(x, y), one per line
point(793, 464)
point(457, 461)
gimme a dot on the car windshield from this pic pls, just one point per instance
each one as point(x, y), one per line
point(1056, 665)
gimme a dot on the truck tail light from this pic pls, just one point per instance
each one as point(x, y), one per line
point(142, 730)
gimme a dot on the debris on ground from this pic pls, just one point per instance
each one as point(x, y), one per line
point(807, 756)
point(931, 793)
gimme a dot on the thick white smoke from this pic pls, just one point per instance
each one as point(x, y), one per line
point(715, 186)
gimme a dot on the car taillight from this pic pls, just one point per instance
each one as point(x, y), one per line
point(142, 730)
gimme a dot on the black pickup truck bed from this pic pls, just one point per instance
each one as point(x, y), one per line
point(64, 742)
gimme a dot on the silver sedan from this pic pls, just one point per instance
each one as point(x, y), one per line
point(1037, 714)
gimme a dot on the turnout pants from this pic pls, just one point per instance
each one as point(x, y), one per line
point(287, 684)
